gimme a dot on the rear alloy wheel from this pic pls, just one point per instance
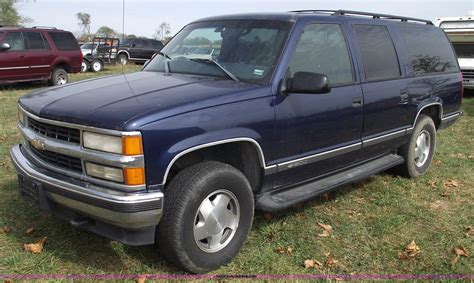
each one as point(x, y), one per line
point(419, 150)
point(122, 59)
point(59, 77)
point(97, 65)
point(207, 216)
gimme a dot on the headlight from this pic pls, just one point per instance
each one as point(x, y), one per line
point(126, 145)
point(104, 172)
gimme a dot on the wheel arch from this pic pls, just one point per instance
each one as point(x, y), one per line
point(225, 149)
point(432, 109)
point(123, 52)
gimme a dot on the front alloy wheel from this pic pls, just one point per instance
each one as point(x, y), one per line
point(216, 221)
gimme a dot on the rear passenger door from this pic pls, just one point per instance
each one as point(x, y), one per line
point(319, 133)
point(384, 88)
point(39, 54)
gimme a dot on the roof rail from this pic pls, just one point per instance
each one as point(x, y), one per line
point(43, 27)
point(373, 15)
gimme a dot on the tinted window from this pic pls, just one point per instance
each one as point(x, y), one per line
point(141, 43)
point(322, 49)
point(35, 40)
point(16, 41)
point(378, 52)
point(464, 50)
point(429, 50)
point(64, 41)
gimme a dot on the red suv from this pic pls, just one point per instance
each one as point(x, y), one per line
point(38, 54)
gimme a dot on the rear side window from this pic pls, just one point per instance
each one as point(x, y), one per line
point(322, 49)
point(378, 52)
point(35, 41)
point(64, 41)
point(15, 40)
point(429, 50)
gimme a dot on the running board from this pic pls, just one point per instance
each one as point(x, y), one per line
point(273, 201)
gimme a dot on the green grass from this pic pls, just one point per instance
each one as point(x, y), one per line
point(372, 221)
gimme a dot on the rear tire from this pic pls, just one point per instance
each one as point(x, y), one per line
point(207, 216)
point(59, 77)
point(419, 150)
point(122, 59)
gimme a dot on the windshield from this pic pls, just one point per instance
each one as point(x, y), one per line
point(249, 49)
point(88, 46)
point(464, 50)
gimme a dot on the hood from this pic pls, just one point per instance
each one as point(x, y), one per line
point(113, 102)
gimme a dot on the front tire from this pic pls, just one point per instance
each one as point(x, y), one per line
point(207, 216)
point(419, 150)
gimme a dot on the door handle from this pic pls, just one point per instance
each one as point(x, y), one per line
point(357, 101)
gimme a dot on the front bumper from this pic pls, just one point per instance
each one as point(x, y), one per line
point(127, 217)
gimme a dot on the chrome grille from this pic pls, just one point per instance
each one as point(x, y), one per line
point(468, 74)
point(54, 131)
point(57, 159)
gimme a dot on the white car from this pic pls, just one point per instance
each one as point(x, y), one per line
point(460, 31)
point(88, 49)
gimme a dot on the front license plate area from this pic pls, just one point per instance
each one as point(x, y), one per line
point(29, 189)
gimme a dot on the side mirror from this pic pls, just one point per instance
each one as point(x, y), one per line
point(307, 82)
point(5, 46)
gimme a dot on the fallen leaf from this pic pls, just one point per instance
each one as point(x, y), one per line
point(30, 231)
point(141, 279)
point(437, 162)
point(288, 250)
point(330, 262)
point(452, 183)
point(432, 184)
point(445, 194)
point(36, 247)
point(326, 230)
point(311, 263)
point(461, 251)
point(327, 254)
point(410, 251)
point(470, 157)
point(5, 230)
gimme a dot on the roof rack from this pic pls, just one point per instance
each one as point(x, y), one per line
point(373, 15)
point(43, 27)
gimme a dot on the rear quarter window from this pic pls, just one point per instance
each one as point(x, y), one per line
point(64, 41)
point(429, 51)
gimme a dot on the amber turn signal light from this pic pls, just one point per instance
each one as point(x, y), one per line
point(132, 145)
point(134, 176)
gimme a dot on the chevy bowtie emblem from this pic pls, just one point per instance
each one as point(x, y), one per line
point(38, 144)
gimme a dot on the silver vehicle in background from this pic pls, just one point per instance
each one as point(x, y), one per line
point(460, 31)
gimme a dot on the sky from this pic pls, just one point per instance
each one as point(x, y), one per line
point(142, 17)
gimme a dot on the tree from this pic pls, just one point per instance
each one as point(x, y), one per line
point(85, 23)
point(163, 31)
point(131, 36)
point(9, 14)
point(106, 31)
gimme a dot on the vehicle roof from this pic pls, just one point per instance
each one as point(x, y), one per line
point(294, 16)
point(16, 28)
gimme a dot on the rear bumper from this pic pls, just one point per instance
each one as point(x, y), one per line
point(127, 217)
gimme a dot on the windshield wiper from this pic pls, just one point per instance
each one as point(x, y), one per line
point(167, 62)
point(209, 60)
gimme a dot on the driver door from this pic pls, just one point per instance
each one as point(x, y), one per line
point(319, 133)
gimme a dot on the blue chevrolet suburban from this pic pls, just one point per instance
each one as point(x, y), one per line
point(293, 105)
